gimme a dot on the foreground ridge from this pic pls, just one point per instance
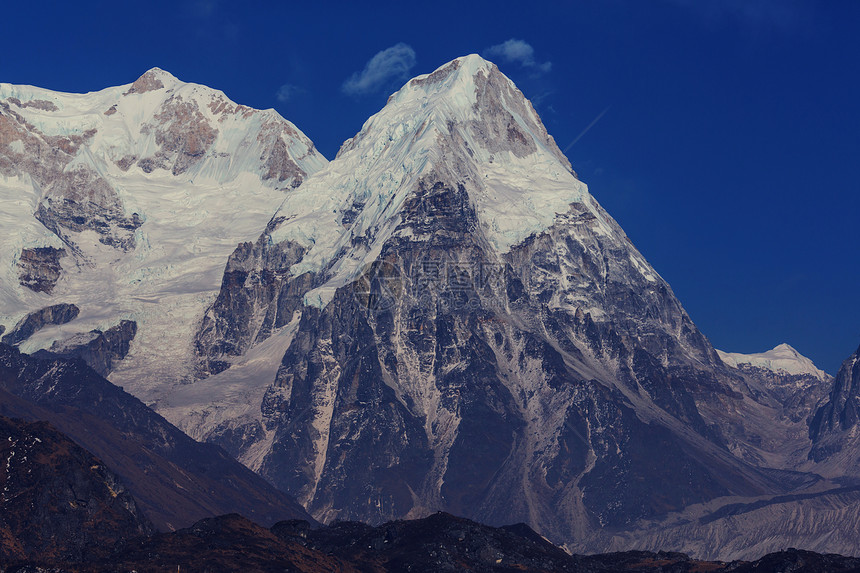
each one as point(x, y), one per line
point(438, 543)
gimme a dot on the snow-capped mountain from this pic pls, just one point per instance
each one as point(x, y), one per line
point(459, 325)
point(126, 202)
point(441, 318)
point(782, 359)
point(792, 382)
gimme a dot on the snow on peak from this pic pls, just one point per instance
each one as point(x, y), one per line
point(472, 94)
point(176, 170)
point(781, 359)
point(465, 124)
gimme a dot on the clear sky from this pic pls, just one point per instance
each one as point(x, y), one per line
point(726, 140)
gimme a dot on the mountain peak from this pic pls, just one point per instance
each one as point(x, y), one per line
point(153, 79)
point(469, 102)
point(465, 68)
point(782, 357)
point(465, 125)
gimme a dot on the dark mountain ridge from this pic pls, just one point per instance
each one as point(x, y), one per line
point(175, 479)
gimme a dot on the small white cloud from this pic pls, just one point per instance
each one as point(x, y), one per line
point(286, 92)
point(390, 64)
point(519, 52)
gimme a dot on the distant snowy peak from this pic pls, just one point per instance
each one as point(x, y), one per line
point(159, 123)
point(782, 359)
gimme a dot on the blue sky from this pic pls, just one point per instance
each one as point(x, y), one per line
point(724, 133)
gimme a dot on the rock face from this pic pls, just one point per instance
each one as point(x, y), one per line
point(35, 321)
point(39, 268)
point(257, 296)
point(126, 202)
point(174, 479)
point(835, 424)
point(98, 349)
point(465, 329)
point(57, 499)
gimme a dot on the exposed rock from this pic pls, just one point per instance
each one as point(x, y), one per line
point(27, 326)
point(40, 269)
point(258, 294)
point(183, 134)
point(98, 349)
point(73, 199)
point(440, 542)
point(41, 104)
point(57, 499)
point(276, 158)
point(225, 543)
point(79, 201)
point(447, 360)
point(797, 394)
point(148, 82)
point(835, 423)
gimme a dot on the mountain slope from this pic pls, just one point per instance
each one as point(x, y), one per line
point(57, 499)
point(126, 202)
point(174, 479)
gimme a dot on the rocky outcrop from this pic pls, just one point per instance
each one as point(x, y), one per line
point(182, 134)
point(39, 269)
point(798, 395)
point(258, 295)
point(835, 423)
point(72, 214)
point(98, 349)
point(58, 500)
point(73, 198)
point(27, 326)
point(147, 188)
point(513, 419)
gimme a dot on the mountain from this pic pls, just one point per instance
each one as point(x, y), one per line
point(460, 326)
point(782, 359)
point(123, 204)
point(58, 500)
point(790, 387)
point(834, 428)
point(442, 318)
point(174, 480)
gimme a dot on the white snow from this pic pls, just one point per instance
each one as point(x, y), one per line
point(192, 222)
point(782, 358)
point(413, 136)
